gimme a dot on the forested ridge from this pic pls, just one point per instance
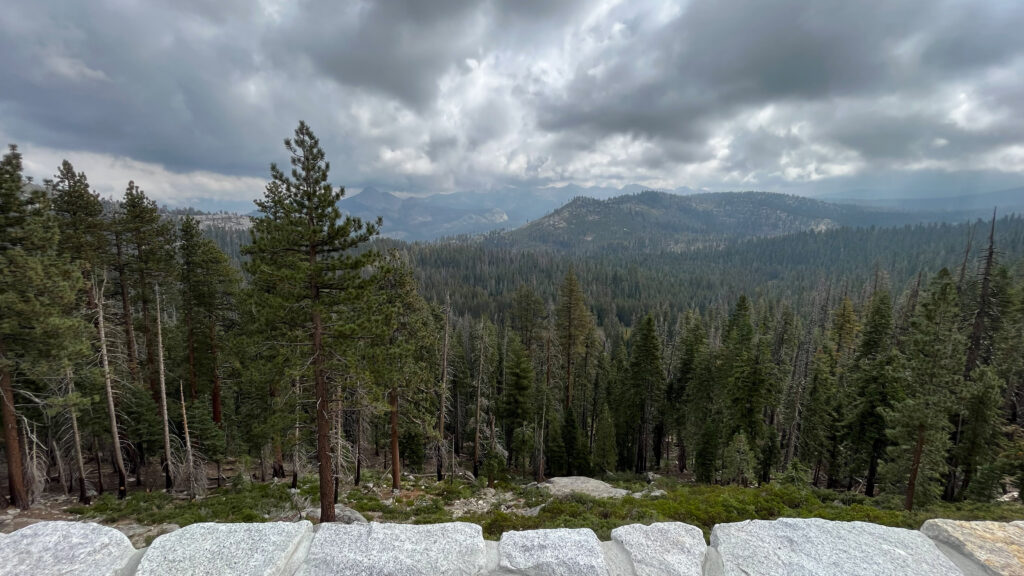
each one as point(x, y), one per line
point(879, 360)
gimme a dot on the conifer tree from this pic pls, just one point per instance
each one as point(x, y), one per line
point(647, 381)
point(37, 294)
point(573, 324)
point(873, 383)
point(301, 263)
point(918, 423)
point(401, 355)
point(151, 262)
point(605, 454)
point(516, 403)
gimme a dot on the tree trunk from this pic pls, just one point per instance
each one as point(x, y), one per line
point(99, 468)
point(359, 445)
point(323, 423)
point(115, 438)
point(15, 471)
point(444, 393)
point(682, 454)
point(396, 463)
point(126, 311)
point(215, 393)
point(914, 467)
point(869, 483)
point(83, 497)
point(476, 421)
point(189, 462)
point(544, 408)
point(191, 343)
point(162, 392)
point(147, 333)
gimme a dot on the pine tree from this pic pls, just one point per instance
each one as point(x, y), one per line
point(873, 382)
point(647, 380)
point(573, 324)
point(301, 262)
point(152, 239)
point(605, 455)
point(401, 354)
point(918, 424)
point(37, 295)
point(517, 404)
point(208, 287)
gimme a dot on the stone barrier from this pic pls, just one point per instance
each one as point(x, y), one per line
point(789, 546)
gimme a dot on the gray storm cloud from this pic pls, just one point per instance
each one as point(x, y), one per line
point(812, 96)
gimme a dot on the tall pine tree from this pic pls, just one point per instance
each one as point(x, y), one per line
point(303, 264)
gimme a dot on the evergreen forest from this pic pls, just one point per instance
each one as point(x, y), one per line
point(142, 350)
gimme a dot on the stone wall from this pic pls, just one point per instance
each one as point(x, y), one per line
point(790, 547)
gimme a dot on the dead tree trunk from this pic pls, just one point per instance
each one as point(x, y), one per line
point(83, 497)
point(190, 468)
point(122, 480)
point(162, 392)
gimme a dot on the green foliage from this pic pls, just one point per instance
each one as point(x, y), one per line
point(605, 455)
point(739, 461)
point(708, 505)
point(250, 503)
point(918, 422)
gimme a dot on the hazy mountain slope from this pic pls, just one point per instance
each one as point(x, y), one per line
point(660, 221)
point(1006, 201)
point(439, 215)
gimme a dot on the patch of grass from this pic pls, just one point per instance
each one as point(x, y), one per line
point(250, 503)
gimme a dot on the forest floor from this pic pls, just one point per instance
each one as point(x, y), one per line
point(513, 504)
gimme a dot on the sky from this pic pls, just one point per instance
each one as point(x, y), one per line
point(192, 99)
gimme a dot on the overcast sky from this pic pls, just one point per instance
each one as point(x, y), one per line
point(192, 98)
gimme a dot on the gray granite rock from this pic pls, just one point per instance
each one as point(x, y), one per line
point(984, 548)
point(395, 549)
point(566, 485)
point(220, 549)
point(806, 547)
point(65, 548)
point(663, 549)
point(560, 551)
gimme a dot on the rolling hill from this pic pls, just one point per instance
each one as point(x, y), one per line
point(655, 221)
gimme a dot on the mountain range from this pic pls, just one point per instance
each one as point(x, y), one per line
point(429, 217)
point(419, 218)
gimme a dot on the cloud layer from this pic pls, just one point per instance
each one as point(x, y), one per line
point(192, 98)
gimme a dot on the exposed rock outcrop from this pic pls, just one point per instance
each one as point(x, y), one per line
point(566, 485)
